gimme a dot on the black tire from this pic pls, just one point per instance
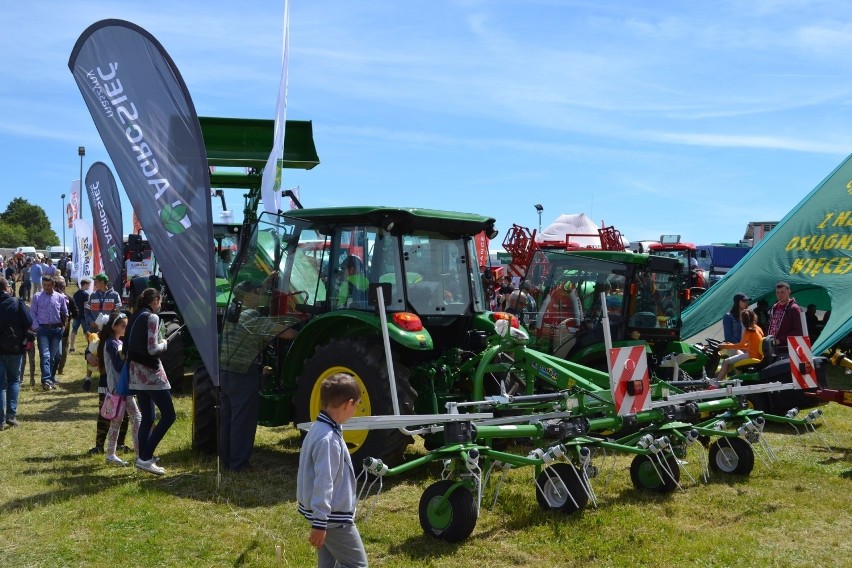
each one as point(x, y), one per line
point(364, 359)
point(205, 413)
point(173, 358)
point(760, 402)
point(551, 495)
point(454, 519)
point(732, 456)
point(644, 474)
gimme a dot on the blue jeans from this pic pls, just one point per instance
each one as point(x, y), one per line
point(77, 324)
point(50, 351)
point(10, 385)
point(149, 439)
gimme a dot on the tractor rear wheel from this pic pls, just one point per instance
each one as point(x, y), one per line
point(451, 519)
point(552, 495)
point(646, 473)
point(732, 456)
point(173, 358)
point(363, 359)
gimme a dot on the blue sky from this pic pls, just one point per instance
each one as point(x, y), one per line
point(656, 117)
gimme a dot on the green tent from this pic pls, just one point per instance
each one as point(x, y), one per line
point(811, 249)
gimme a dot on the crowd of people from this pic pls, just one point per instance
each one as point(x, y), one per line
point(326, 477)
point(24, 273)
point(47, 319)
point(509, 296)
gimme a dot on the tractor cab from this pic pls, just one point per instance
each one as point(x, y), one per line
point(327, 260)
point(643, 297)
point(671, 246)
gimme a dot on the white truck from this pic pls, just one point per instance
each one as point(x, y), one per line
point(28, 252)
point(57, 252)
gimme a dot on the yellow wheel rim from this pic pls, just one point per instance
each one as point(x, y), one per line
point(354, 438)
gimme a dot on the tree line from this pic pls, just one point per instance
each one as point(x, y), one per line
point(25, 224)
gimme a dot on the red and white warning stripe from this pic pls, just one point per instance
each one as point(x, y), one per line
point(629, 379)
point(802, 362)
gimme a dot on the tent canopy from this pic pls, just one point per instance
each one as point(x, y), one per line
point(810, 249)
point(575, 224)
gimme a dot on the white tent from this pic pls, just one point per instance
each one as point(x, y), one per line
point(576, 224)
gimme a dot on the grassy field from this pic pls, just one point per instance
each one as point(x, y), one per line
point(61, 507)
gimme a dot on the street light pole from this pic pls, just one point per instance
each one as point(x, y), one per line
point(539, 208)
point(62, 220)
point(81, 150)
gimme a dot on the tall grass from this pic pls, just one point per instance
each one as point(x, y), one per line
point(61, 507)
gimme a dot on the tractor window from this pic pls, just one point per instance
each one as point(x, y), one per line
point(479, 302)
point(275, 275)
point(309, 268)
point(225, 249)
point(567, 291)
point(363, 256)
point(438, 274)
point(654, 299)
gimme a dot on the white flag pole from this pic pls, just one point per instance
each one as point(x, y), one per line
point(270, 189)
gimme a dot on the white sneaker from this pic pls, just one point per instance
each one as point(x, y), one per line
point(116, 460)
point(150, 467)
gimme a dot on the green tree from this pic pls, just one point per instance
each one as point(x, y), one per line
point(32, 220)
point(12, 236)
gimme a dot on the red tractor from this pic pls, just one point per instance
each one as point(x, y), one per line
point(672, 247)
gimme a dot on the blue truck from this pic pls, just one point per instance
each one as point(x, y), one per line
point(716, 260)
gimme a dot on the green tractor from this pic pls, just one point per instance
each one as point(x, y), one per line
point(643, 299)
point(329, 266)
point(645, 294)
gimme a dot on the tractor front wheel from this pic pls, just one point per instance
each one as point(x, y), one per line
point(566, 496)
point(447, 517)
point(363, 359)
point(732, 456)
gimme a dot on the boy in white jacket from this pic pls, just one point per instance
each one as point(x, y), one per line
point(325, 484)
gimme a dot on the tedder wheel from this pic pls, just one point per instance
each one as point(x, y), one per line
point(643, 474)
point(205, 403)
point(364, 359)
point(451, 519)
point(551, 494)
point(732, 456)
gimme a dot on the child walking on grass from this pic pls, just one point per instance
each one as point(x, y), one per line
point(94, 356)
point(110, 363)
point(325, 484)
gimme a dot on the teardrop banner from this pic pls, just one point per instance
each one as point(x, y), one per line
point(148, 123)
